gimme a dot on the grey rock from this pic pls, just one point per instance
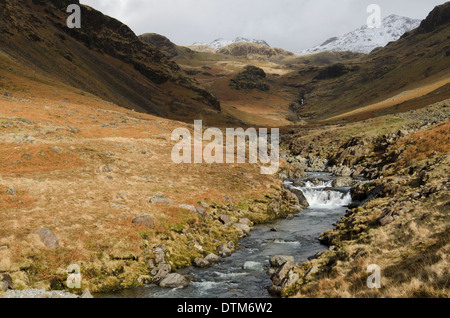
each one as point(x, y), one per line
point(224, 251)
point(38, 293)
point(281, 273)
point(57, 150)
point(244, 228)
point(341, 182)
point(204, 204)
point(158, 198)
point(245, 221)
point(312, 271)
point(160, 255)
point(213, 259)
point(225, 219)
point(161, 272)
point(386, 220)
point(201, 263)
point(174, 281)
point(48, 238)
point(144, 220)
point(6, 282)
point(301, 197)
point(343, 171)
point(200, 210)
point(279, 260)
point(188, 207)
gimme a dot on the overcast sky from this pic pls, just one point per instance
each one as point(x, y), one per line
point(289, 24)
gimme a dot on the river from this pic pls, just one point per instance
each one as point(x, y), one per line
point(297, 237)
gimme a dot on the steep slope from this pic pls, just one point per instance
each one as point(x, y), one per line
point(365, 39)
point(164, 44)
point(407, 74)
point(103, 57)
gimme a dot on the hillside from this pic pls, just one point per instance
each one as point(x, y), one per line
point(87, 175)
point(415, 68)
point(104, 57)
point(164, 44)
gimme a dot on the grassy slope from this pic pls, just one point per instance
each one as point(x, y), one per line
point(412, 250)
point(105, 58)
point(90, 207)
point(416, 60)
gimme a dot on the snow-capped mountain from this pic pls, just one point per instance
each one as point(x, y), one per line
point(220, 43)
point(365, 39)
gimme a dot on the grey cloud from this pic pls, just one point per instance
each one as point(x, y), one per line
point(289, 24)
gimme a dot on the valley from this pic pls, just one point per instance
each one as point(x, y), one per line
point(87, 176)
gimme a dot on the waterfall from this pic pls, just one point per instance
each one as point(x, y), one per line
point(321, 195)
point(322, 198)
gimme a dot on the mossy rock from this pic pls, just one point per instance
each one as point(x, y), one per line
point(251, 78)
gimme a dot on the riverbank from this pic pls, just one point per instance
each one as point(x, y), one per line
point(86, 182)
point(399, 219)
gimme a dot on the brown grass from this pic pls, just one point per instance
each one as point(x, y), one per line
point(424, 144)
point(35, 158)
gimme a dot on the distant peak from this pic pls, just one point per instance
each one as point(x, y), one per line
point(365, 39)
point(221, 42)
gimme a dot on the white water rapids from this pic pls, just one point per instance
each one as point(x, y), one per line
point(323, 196)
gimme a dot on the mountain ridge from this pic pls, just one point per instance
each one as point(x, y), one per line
point(220, 42)
point(104, 58)
point(365, 39)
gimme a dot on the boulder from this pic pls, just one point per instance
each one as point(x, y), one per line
point(144, 220)
point(212, 258)
point(281, 273)
point(57, 150)
point(204, 205)
point(6, 282)
point(291, 278)
point(200, 210)
point(224, 251)
point(301, 197)
point(159, 253)
point(290, 197)
point(174, 281)
point(158, 198)
point(161, 272)
point(386, 220)
point(317, 164)
point(342, 182)
point(48, 238)
point(245, 221)
point(201, 263)
point(245, 229)
point(188, 207)
point(312, 271)
point(279, 260)
point(225, 219)
point(343, 171)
